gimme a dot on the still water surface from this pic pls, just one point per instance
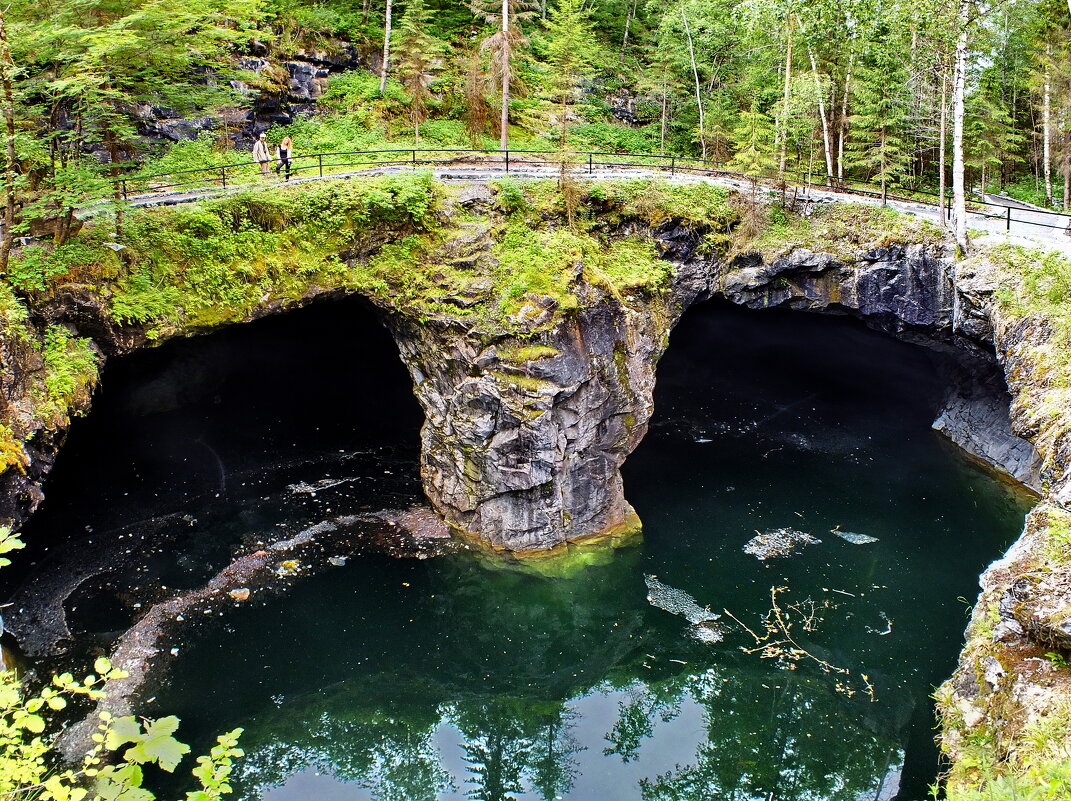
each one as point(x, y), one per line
point(450, 679)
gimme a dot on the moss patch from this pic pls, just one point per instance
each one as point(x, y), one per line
point(841, 229)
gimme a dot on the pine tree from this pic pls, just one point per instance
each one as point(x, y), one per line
point(989, 136)
point(503, 47)
point(882, 107)
point(570, 46)
point(415, 51)
point(753, 139)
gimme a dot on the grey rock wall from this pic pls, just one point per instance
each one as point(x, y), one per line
point(523, 454)
point(522, 449)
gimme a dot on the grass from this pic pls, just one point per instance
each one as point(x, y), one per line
point(1044, 754)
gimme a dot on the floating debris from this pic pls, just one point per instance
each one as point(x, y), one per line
point(778, 542)
point(239, 594)
point(888, 626)
point(312, 489)
point(678, 602)
point(853, 538)
point(287, 568)
point(337, 561)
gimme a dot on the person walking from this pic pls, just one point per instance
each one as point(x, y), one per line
point(261, 155)
point(284, 155)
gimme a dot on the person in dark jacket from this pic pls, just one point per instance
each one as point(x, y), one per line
point(284, 156)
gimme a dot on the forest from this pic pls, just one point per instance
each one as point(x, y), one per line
point(905, 94)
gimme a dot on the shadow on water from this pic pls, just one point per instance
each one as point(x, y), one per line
point(444, 679)
point(207, 444)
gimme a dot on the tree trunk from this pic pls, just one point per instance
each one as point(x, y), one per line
point(504, 136)
point(844, 117)
point(827, 142)
point(959, 86)
point(783, 116)
point(698, 96)
point(941, 147)
point(662, 130)
point(1066, 164)
point(1046, 127)
point(6, 70)
point(386, 50)
point(365, 8)
point(113, 155)
point(628, 24)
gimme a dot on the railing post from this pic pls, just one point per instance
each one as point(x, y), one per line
point(122, 183)
point(223, 176)
point(414, 159)
point(672, 165)
point(507, 161)
point(591, 164)
point(320, 163)
point(1008, 227)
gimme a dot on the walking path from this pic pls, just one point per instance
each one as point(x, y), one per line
point(1015, 222)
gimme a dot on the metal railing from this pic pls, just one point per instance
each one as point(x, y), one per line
point(143, 188)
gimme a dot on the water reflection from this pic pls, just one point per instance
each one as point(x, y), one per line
point(681, 738)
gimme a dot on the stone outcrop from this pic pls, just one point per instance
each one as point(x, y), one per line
point(524, 438)
point(527, 425)
point(522, 443)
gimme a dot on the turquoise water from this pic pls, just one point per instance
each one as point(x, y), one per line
point(448, 678)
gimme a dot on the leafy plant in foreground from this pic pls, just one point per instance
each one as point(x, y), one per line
point(112, 769)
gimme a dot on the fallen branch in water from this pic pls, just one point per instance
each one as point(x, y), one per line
point(777, 641)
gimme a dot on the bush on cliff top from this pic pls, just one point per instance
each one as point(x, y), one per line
point(215, 261)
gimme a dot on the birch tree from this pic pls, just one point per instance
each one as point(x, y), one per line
point(386, 49)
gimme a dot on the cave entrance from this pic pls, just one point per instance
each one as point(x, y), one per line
point(795, 450)
point(229, 440)
point(625, 678)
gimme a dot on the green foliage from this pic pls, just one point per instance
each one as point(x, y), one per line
point(8, 543)
point(883, 101)
point(36, 267)
point(1058, 660)
point(753, 139)
point(1044, 772)
point(842, 229)
point(201, 153)
point(509, 196)
point(570, 49)
point(608, 137)
point(215, 261)
point(71, 365)
point(415, 53)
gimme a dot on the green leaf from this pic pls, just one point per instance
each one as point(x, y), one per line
point(122, 730)
point(157, 745)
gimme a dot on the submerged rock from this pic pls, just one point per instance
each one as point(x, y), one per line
point(778, 542)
